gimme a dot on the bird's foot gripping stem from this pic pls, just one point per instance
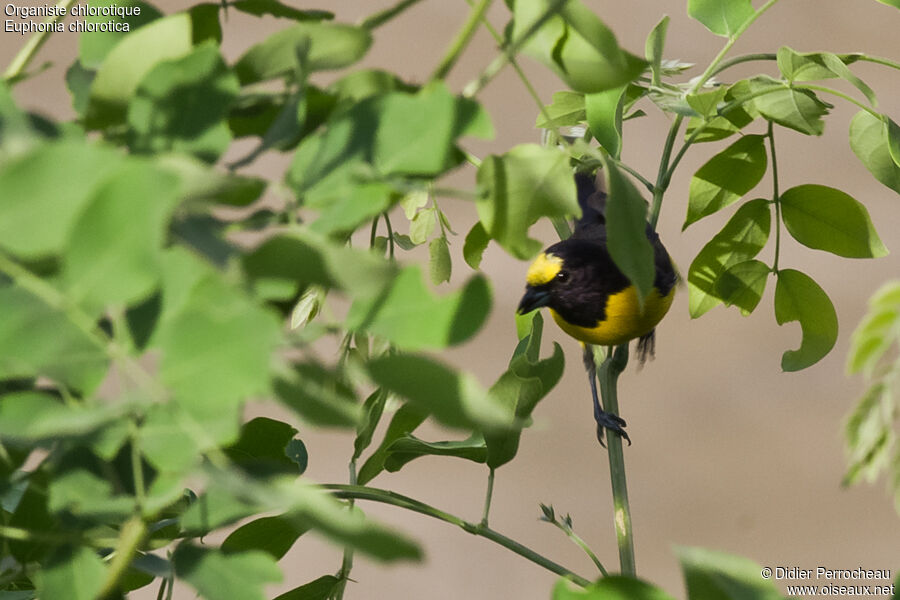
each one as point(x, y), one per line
point(615, 423)
point(605, 420)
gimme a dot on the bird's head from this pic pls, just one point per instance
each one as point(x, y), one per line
point(546, 275)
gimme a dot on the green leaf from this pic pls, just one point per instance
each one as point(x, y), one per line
point(272, 535)
point(303, 258)
point(373, 408)
point(31, 515)
point(45, 190)
point(365, 83)
point(307, 307)
point(71, 573)
point(416, 132)
point(94, 46)
point(422, 225)
point(301, 48)
point(613, 587)
point(877, 331)
point(78, 82)
point(566, 110)
point(711, 575)
point(797, 109)
point(276, 9)
point(217, 345)
point(894, 3)
point(261, 448)
point(342, 215)
point(577, 45)
point(813, 66)
point(439, 260)
point(707, 103)
point(409, 448)
point(453, 398)
point(219, 576)
point(476, 243)
point(742, 285)
point(79, 492)
point(113, 250)
point(181, 105)
point(321, 396)
point(726, 177)
point(603, 111)
point(799, 298)
point(518, 188)
point(412, 318)
point(824, 218)
point(527, 381)
point(172, 439)
point(317, 589)
point(36, 416)
point(407, 418)
point(722, 17)
point(626, 215)
point(869, 435)
point(871, 141)
point(36, 339)
point(653, 49)
point(711, 279)
point(129, 61)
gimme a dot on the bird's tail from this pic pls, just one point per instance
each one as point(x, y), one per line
point(592, 200)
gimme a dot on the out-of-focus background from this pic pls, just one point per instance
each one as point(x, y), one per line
point(729, 452)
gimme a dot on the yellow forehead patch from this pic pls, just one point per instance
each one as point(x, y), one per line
point(543, 269)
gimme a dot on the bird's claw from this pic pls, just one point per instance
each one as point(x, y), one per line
point(614, 423)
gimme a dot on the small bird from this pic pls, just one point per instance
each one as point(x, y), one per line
point(591, 299)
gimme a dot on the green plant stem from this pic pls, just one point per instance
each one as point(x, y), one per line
point(25, 55)
point(727, 64)
point(518, 69)
point(373, 231)
point(609, 372)
point(488, 495)
point(880, 61)
point(462, 39)
point(390, 235)
point(727, 47)
point(644, 181)
point(130, 538)
point(662, 176)
point(347, 560)
point(776, 198)
point(398, 500)
point(137, 468)
point(576, 539)
point(509, 51)
point(380, 18)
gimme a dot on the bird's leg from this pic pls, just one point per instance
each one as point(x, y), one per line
point(605, 420)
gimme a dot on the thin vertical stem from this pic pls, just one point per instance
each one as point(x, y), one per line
point(609, 372)
point(347, 560)
point(22, 59)
point(488, 495)
point(776, 198)
point(462, 39)
point(384, 16)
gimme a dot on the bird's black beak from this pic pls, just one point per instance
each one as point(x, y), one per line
point(534, 298)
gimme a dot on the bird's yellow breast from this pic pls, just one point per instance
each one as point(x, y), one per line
point(624, 318)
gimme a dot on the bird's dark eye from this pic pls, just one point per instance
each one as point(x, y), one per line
point(562, 276)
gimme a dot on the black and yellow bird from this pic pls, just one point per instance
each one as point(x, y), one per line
point(591, 299)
